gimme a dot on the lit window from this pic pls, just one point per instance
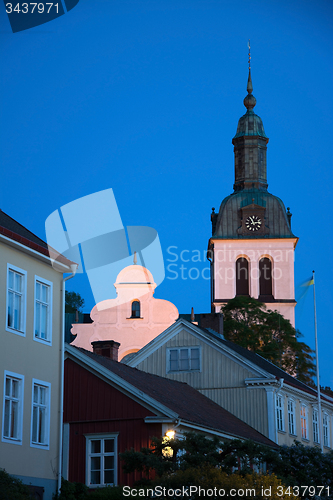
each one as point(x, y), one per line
point(279, 413)
point(40, 421)
point(315, 426)
point(43, 310)
point(291, 417)
point(16, 288)
point(184, 359)
point(135, 309)
point(326, 430)
point(304, 422)
point(101, 460)
point(12, 408)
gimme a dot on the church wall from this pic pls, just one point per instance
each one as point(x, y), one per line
point(279, 251)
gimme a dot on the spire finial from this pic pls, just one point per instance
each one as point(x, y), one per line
point(135, 259)
point(249, 81)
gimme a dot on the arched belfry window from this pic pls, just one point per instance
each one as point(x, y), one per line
point(265, 277)
point(135, 309)
point(242, 276)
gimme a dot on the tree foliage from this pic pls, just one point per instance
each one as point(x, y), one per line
point(73, 302)
point(247, 322)
point(12, 488)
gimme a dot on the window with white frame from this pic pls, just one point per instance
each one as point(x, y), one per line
point(279, 413)
point(101, 460)
point(12, 408)
point(304, 422)
point(16, 297)
point(291, 417)
point(183, 359)
point(326, 430)
point(315, 425)
point(43, 310)
point(40, 417)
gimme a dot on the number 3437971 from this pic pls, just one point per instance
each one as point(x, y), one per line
point(30, 8)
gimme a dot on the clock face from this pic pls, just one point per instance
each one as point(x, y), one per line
point(253, 223)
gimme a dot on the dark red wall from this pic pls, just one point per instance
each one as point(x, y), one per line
point(93, 406)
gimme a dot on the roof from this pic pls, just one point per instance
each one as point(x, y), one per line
point(190, 405)
point(15, 231)
point(252, 357)
point(229, 216)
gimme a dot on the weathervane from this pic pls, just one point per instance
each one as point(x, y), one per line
point(249, 46)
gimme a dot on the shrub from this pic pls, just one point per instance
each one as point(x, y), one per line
point(12, 488)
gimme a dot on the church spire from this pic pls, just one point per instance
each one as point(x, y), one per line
point(250, 145)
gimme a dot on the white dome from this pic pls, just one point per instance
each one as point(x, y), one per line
point(135, 274)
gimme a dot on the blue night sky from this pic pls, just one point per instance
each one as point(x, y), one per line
point(144, 97)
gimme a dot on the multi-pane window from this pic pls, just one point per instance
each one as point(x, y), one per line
point(315, 426)
point(279, 413)
point(40, 422)
point(304, 422)
point(291, 417)
point(184, 359)
point(326, 430)
point(43, 310)
point(101, 460)
point(16, 299)
point(12, 408)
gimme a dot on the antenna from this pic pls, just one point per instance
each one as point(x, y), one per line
point(249, 46)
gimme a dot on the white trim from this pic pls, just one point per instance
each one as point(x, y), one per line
point(22, 331)
point(279, 412)
point(102, 436)
point(306, 419)
point(36, 254)
point(47, 386)
point(315, 423)
point(293, 413)
point(196, 331)
point(328, 445)
point(43, 281)
point(20, 378)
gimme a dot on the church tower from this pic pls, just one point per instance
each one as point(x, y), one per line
point(252, 245)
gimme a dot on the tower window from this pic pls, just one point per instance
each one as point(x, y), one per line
point(135, 309)
point(265, 277)
point(242, 276)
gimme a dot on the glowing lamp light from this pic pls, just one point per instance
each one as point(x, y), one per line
point(170, 434)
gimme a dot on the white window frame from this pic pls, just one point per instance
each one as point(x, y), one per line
point(279, 412)
point(49, 284)
point(292, 417)
point(326, 430)
point(19, 399)
point(102, 454)
point(47, 406)
point(304, 435)
point(22, 327)
point(315, 425)
point(188, 348)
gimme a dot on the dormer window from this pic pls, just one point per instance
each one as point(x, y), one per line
point(136, 309)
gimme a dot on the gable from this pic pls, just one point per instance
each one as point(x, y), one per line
point(89, 398)
point(218, 368)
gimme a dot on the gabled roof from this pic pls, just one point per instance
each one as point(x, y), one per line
point(263, 366)
point(178, 398)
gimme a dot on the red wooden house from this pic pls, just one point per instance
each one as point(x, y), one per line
point(110, 407)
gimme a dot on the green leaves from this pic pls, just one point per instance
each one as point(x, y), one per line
point(248, 323)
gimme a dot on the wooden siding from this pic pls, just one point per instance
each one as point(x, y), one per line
point(250, 405)
point(217, 370)
point(91, 406)
point(221, 379)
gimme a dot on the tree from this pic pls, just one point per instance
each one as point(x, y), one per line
point(73, 302)
point(247, 322)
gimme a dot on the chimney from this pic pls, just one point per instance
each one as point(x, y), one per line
point(106, 348)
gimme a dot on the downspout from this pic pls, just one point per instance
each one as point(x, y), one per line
point(274, 401)
point(62, 360)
